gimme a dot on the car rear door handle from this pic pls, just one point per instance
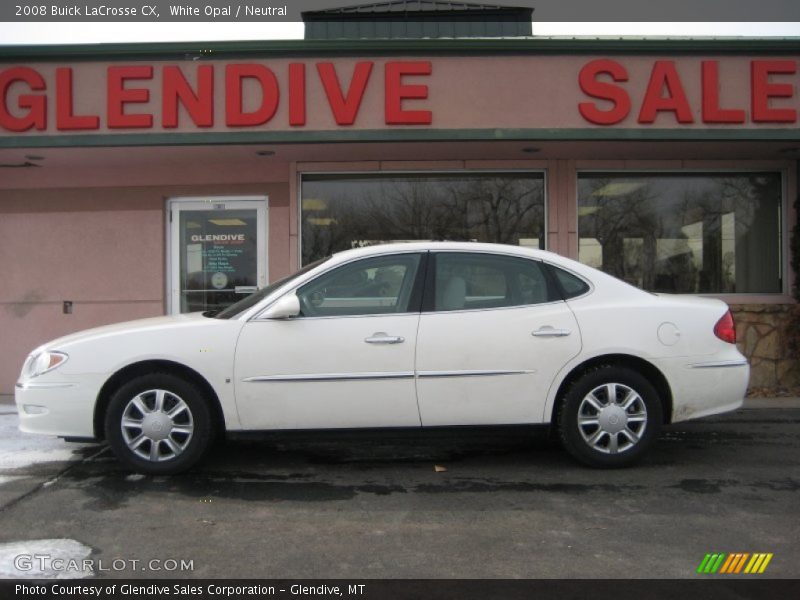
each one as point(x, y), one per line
point(548, 331)
point(381, 337)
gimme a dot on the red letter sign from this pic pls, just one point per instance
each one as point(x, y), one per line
point(604, 91)
point(176, 90)
point(297, 94)
point(665, 75)
point(712, 113)
point(235, 116)
point(763, 90)
point(344, 108)
point(37, 105)
point(66, 119)
point(396, 92)
point(119, 96)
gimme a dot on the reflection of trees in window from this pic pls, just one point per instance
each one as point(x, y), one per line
point(685, 233)
point(348, 211)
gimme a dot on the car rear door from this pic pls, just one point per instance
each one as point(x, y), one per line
point(493, 334)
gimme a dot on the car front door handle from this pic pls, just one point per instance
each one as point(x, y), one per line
point(548, 331)
point(382, 338)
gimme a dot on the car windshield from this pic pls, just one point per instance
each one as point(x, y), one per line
point(253, 299)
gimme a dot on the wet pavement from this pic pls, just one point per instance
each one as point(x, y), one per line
point(355, 505)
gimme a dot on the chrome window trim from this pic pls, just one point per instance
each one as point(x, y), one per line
point(402, 314)
point(474, 310)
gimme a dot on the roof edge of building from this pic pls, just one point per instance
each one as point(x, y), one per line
point(361, 47)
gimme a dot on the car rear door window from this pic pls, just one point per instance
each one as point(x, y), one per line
point(473, 281)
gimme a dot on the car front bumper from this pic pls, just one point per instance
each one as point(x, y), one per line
point(60, 408)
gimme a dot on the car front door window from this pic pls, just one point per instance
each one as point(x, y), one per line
point(375, 286)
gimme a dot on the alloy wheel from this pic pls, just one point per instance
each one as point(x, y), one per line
point(157, 425)
point(612, 418)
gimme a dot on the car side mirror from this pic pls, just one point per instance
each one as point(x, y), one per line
point(286, 307)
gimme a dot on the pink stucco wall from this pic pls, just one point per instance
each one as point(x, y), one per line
point(101, 248)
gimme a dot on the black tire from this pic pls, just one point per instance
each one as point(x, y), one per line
point(175, 449)
point(610, 442)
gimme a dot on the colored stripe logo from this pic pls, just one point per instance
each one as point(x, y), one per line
point(735, 563)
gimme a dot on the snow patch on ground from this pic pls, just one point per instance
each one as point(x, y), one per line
point(18, 450)
point(10, 478)
point(135, 477)
point(17, 561)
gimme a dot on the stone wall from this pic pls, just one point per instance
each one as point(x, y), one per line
point(764, 334)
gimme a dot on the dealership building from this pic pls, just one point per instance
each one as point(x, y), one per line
point(148, 179)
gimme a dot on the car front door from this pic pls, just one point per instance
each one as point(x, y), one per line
point(346, 361)
point(493, 334)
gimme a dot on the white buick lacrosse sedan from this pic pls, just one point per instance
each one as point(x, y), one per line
point(401, 335)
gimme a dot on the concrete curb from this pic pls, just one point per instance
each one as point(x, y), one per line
point(779, 402)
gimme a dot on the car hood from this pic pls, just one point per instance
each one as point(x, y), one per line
point(139, 325)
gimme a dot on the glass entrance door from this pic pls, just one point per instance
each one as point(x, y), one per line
point(217, 251)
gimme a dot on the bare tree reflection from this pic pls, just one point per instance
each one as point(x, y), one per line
point(498, 208)
point(685, 233)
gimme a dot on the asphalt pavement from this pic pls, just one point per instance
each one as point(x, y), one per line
point(451, 504)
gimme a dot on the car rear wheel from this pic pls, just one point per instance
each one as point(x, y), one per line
point(159, 424)
point(610, 416)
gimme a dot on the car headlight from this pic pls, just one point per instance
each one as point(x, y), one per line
point(42, 362)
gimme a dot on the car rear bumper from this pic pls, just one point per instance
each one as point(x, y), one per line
point(60, 408)
point(705, 387)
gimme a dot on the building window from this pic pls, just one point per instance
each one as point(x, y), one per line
point(707, 233)
point(348, 211)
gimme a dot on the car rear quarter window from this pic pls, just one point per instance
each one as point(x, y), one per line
point(571, 285)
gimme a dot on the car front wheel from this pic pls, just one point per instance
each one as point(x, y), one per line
point(610, 416)
point(159, 424)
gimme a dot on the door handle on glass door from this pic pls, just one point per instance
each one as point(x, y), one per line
point(548, 331)
point(380, 337)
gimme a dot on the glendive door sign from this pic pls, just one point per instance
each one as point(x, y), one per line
point(448, 92)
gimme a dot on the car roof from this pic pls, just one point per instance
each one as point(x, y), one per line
point(390, 248)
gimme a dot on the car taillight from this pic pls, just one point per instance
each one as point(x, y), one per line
point(725, 329)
